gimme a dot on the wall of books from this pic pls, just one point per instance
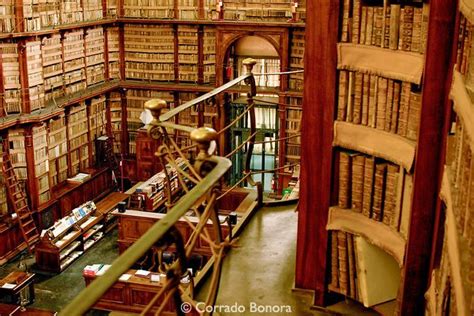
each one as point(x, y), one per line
point(293, 130)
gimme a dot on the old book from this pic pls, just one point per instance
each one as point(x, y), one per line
point(357, 187)
point(395, 106)
point(350, 97)
point(356, 17)
point(406, 205)
point(395, 224)
point(344, 179)
point(388, 105)
point(345, 21)
point(377, 32)
point(369, 173)
point(414, 115)
point(373, 82)
point(363, 24)
point(394, 25)
point(381, 103)
point(406, 22)
point(386, 26)
point(343, 93)
point(357, 108)
point(369, 26)
point(416, 32)
point(403, 110)
point(390, 194)
point(343, 264)
point(334, 261)
point(351, 265)
point(379, 190)
point(462, 26)
point(365, 99)
point(378, 273)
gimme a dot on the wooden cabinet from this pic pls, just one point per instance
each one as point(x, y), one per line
point(147, 163)
point(76, 233)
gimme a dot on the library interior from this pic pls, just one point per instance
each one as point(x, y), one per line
point(225, 157)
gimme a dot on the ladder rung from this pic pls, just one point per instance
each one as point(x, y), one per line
point(31, 230)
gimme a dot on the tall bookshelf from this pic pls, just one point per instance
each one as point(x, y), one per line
point(41, 161)
point(113, 51)
point(94, 55)
point(52, 55)
point(451, 287)
point(11, 78)
point(188, 53)
point(35, 75)
point(362, 147)
point(74, 61)
point(58, 150)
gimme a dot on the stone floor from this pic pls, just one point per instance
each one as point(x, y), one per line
point(259, 272)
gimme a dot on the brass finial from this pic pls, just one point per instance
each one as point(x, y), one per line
point(155, 106)
point(203, 136)
point(248, 64)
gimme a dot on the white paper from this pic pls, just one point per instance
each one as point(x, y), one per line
point(125, 277)
point(142, 272)
point(8, 286)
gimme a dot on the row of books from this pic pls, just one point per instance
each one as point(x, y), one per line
point(464, 50)
point(378, 189)
point(374, 101)
point(65, 223)
point(390, 26)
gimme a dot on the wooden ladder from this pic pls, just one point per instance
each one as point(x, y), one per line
point(111, 159)
point(20, 204)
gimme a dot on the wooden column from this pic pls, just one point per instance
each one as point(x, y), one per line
point(19, 15)
point(24, 85)
point(317, 134)
point(106, 54)
point(282, 143)
point(125, 140)
point(122, 52)
point(200, 39)
point(430, 155)
point(176, 53)
point(3, 105)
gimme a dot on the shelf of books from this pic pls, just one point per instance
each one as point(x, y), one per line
point(116, 120)
point(97, 121)
point(159, 9)
point(74, 62)
point(17, 151)
point(78, 141)
point(92, 10)
point(71, 11)
point(94, 48)
point(11, 78)
point(57, 150)
point(452, 279)
point(188, 9)
point(111, 8)
point(40, 15)
point(293, 130)
point(135, 106)
point(7, 11)
point(209, 55)
point(375, 104)
point(211, 9)
point(3, 189)
point(258, 10)
point(69, 238)
point(296, 59)
point(41, 158)
point(146, 57)
point(113, 51)
point(35, 75)
point(52, 67)
point(188, 53)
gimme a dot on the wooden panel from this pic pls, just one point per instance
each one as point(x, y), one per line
point(430, 152)
point(316, 158)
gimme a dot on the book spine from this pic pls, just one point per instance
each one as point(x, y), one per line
point(343, 264)
point(417, 30)
point(352, 268)
point(386, 26)
point(381, 103)
point(365, 99)
point(395, 107)
point(344, 180)
point(350, 97)
point(369, 167)
point(363, 25)
point(394, 25)
point(342, 97)
point(424, 26)
point(404, 107)
point(390, 195)
point(356, 16)
point(389, 105)
point(357, 182)
point(379, 21)
point(379, 181)
point(370, 26)
point(407, 28)
point(357, 109)
point(334, 261)
point(345, 21)
point(414, 115)
point(372, 100)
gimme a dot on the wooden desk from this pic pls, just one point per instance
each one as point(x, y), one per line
point(14, 310)
point(132, 295)
point(22, 281)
